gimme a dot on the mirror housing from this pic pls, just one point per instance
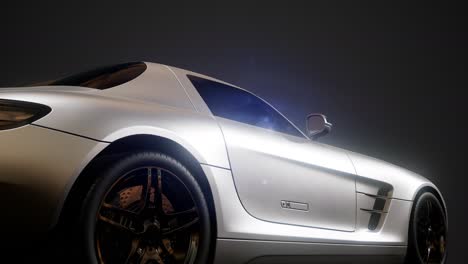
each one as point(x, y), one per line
point(317, 126)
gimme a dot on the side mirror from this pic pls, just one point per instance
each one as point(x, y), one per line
point(317, 126)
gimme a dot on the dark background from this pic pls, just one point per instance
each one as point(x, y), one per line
point(391, 77)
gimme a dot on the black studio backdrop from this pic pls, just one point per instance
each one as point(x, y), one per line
point(391, 77)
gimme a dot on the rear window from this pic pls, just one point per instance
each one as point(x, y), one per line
point(105, 77)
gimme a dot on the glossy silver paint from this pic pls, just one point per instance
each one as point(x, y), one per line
point(319, 176)
point(250, 170)
point(36, 167)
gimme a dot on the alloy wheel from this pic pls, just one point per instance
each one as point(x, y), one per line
point(147, 216)
point(431, 230)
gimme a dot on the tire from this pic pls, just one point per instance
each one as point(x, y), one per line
point(427, 240)
point(97, 218)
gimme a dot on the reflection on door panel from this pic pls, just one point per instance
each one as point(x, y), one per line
point(271, 167)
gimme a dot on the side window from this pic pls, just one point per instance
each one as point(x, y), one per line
point(239, 105)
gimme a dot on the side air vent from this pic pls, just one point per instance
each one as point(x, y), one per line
point(373, 201)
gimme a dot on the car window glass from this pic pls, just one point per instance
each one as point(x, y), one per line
point(239, 105)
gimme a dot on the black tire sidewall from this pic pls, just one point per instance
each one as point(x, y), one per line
point(130, 162)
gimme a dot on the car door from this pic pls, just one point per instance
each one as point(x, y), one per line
point(280, 175)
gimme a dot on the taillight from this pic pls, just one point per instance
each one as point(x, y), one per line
point(18, 113)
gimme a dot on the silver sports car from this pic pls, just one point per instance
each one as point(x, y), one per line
point(147, 163)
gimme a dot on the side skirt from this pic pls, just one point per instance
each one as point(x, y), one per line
point(236, 251)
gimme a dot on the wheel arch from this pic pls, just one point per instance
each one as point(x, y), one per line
point(434, 190)
point(121, 147)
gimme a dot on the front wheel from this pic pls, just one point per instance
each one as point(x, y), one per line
point(428, 231)
point(146, 208)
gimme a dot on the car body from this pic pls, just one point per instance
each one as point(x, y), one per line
point(274, 194)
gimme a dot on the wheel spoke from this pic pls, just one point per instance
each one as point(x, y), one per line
point(158, 200)
point(120, 225)
point(183, 227)
point(181, 213)
point(117, 210)
point(117, 217)
point(133, 252)
point(167, 253)
point(146, 198)
point(428, 254)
